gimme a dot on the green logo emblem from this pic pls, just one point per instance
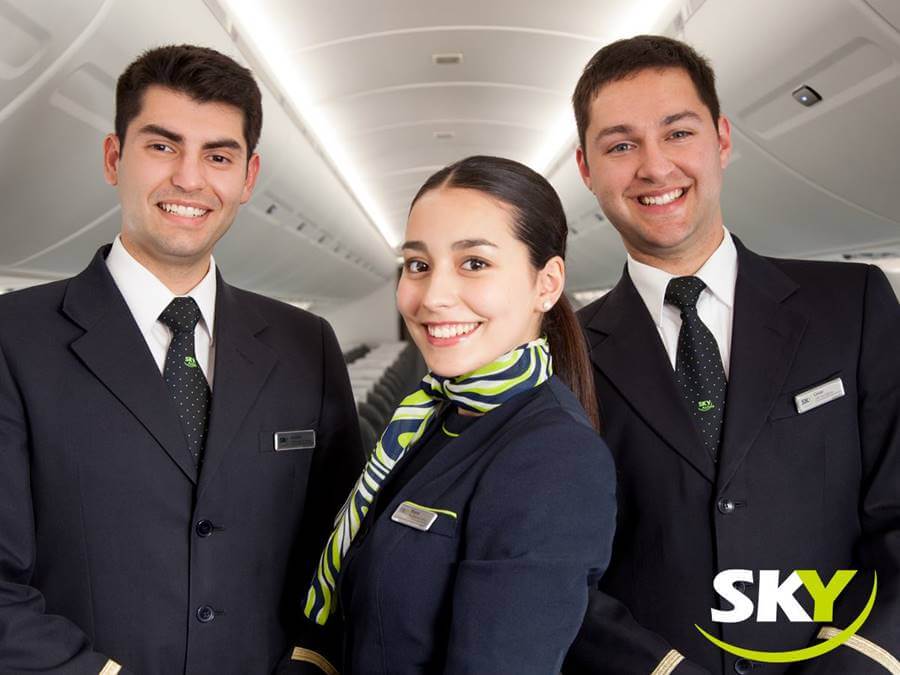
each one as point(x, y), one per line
point(705, 406)
point(190, 362)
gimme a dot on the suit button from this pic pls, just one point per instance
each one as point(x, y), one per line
point(725, 506)
point(205, 614)
point(204, 528)
point(743, 666)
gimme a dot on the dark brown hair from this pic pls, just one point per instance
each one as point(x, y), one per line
point(201, 73)
point(539, 222)
point(618, 60)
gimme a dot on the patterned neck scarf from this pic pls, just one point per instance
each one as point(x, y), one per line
point(480, 391)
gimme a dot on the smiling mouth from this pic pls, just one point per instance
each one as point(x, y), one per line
point(182, 210)
point(450, 330)
point(663, 199)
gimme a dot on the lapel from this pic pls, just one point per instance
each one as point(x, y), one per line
point(765, 336)
point(626, 348)
point(243, 364)
point(458, 453)
point(114, 350)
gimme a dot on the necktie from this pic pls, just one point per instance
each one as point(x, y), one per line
point(183, 375)
point(698, 365)
point(480, 391)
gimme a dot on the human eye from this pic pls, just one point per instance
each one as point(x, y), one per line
point(681, 134)
point(160, 147)
point(415, 266)
point(474, 264)
point(619, 148)
point(219, 159)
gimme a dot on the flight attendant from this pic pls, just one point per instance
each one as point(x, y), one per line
point(487, 508)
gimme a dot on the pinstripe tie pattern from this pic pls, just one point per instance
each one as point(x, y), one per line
point(479, 391)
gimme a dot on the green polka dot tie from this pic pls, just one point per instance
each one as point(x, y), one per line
point(698, 364)
point(183, 374)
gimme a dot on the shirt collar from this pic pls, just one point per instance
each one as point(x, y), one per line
point(719, 273)
point(146, 296)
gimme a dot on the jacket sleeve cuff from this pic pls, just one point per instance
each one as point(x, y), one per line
point(668, 663)
point(309, 656)
point(866, 647)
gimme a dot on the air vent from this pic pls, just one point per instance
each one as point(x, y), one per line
point(444, 135)
point(447, 59)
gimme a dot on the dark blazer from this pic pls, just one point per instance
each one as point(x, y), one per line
point(111, 544)
point(818, 490)
point(502, 586)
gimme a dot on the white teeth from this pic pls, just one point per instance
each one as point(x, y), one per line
point(449, 330)
point(183, 211)
point(661, 199)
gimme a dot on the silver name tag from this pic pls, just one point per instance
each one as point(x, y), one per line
point(412, 516)
point(295, 440)
point(819, 395)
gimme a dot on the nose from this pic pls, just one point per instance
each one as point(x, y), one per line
point(440, 290)
point(655, 166)
point(189, 174)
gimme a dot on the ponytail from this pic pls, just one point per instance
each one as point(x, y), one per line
point(570, 356)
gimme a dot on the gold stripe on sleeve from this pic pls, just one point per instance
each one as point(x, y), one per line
point(111, 668)
point(668, 664)
point(866, 647)
point(308, 655)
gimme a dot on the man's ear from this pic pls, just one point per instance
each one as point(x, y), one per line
point(112, 151)
point(724, 129)
point(250, 179)
point(583, 168)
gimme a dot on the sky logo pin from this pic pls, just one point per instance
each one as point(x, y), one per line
point(705, 406)
point(190, 362)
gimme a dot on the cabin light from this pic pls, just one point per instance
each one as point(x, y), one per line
point(272, 48)
point(451, 59)
point(806, 95)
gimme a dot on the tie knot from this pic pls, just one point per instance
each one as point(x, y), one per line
point(181, 315)
point(684, 291)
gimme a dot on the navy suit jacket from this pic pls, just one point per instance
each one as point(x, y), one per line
point(818, 490)
point(102, 551)
point(499, 583)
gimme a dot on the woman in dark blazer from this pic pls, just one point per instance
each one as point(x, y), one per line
point(487, 509)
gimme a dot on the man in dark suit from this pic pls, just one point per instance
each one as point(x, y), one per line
point(751, 403)
point(172, 449)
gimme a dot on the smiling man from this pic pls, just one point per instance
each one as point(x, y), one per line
point(751, 403)
point(172, 449)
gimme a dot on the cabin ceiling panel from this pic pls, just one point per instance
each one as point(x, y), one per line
point(35, 34)
point(777, 211)
point(345, 71)
point(315, 22)
point(461, 100)
point(74, 255)
point(52, 184)
point(432, 136)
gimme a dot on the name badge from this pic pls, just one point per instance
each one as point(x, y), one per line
point(412, 516)
point(819, 395)
point(295, 440)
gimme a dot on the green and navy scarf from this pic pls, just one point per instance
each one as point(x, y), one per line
point(480, 391)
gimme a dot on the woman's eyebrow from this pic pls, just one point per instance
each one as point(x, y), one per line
point(471, 243)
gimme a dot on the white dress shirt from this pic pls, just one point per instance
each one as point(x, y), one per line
point(146, 297)
point(715, 306)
